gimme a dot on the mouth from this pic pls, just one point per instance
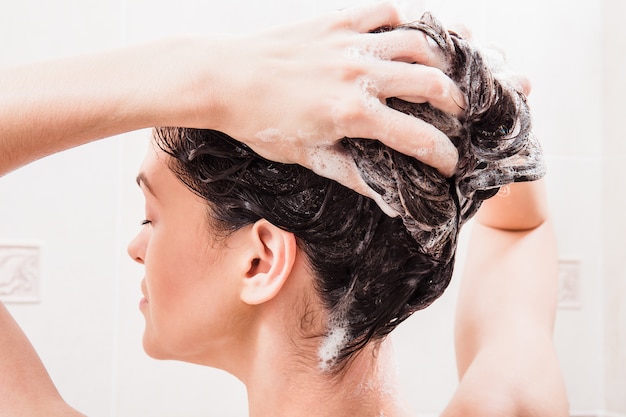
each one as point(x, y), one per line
point(144, 299)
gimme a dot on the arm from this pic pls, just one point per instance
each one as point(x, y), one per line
point(25, 387)
point(328, 75)
point(505, 315)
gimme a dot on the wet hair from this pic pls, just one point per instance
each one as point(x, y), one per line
point(373, 271)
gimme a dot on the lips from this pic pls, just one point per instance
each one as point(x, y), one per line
point(144, 290)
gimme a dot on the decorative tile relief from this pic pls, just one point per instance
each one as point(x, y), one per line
point(569, 284)
point(20, 272)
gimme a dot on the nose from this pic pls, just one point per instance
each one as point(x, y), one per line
point(137, 247)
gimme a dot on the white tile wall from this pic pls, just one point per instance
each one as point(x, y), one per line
point(20, 272)
point(614, 89)
point(84, 207)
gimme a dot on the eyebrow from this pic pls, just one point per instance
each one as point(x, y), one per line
point(143, 180)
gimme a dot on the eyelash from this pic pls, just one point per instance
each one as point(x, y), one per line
point(145, 222)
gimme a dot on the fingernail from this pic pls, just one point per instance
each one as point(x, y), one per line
point(459, 98)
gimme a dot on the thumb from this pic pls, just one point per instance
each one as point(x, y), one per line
point(334, 163)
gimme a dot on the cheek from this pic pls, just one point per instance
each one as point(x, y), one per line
point(191, 313)
point(160, 260)
point(174, 278)
point(173, 264)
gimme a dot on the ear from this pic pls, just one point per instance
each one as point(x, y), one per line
point(269, 263)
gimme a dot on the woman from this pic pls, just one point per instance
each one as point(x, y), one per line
point(242, 294)
point(291, 282)
point(255, 306)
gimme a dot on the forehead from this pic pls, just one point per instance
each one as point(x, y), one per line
point(158, 179)
point(155, 160)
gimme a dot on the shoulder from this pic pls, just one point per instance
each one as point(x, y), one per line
point(508, 383)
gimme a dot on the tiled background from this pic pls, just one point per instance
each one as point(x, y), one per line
point(83, 206)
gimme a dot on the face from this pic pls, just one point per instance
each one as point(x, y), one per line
point(190, 292)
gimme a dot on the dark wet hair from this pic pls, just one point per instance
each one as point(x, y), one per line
point(373, 271)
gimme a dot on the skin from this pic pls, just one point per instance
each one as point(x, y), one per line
point(258, 277)
point(89, 98)
point(25, 386)
point(86, 98)
point(506, 358)
point(245, 292)
point(182, 262)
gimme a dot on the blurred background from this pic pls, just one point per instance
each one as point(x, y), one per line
point(67, 219)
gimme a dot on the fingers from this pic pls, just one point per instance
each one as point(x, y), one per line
point(404, 45)
point(414, 137)
point(415, 83)
point(419, 83)
point(366, 18)
point(332, 162)
point(388, 73)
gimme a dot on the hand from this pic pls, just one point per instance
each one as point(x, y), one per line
point(293, 92)
point(290, 93)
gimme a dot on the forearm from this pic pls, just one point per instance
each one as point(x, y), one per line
point(52, 106)
point(25, 387)
point(290, 93)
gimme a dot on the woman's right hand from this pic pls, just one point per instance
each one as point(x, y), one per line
point(293, 92)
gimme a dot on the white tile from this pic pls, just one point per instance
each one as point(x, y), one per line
point(615, 282)
point(543, 40)
point(575, 197)
point(38, 30)
point(91, 290)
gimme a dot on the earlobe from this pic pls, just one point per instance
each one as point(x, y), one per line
point(269, 264)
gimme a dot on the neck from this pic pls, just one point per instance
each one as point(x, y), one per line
point(280, 365)
point(365, 388)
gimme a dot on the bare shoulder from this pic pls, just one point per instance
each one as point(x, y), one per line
point(44, 408)
point(507, 382)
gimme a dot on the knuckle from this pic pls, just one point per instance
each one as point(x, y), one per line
point(440, 87)
point(350, 71)
point(348, 68)
point(420, 47)
point(346, 113)
point(438, 83)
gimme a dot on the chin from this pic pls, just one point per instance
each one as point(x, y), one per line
point(154, 350)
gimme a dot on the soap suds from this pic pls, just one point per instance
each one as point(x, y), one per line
point(493, 139)
point(269, 135)
point(334, 341)
point(369, 93)
point(334, 162)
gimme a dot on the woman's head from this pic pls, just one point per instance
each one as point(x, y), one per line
point(370, 271)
